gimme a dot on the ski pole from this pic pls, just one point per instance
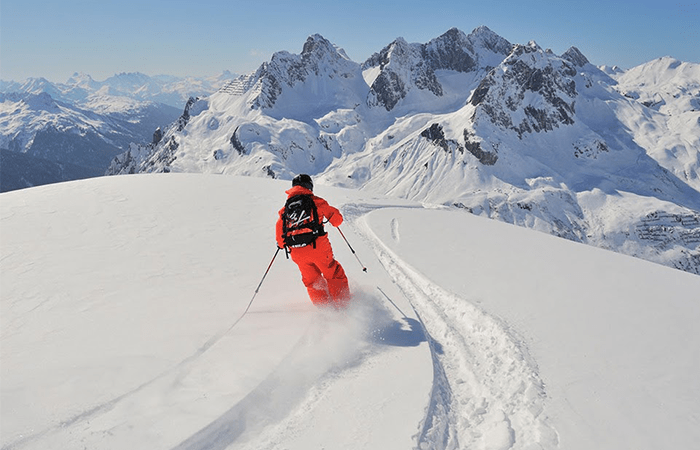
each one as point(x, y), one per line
point(364, 269)
point(219, 336)
point(261, 282)
point(392, 302)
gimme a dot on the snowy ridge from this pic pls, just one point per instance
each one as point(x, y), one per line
point(668, 124)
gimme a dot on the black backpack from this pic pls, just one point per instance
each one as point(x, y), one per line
point(300, 222)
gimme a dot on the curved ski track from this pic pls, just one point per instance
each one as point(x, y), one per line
point(486, 392)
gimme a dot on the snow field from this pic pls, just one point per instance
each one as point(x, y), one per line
point(119, 328)
point(121, 300)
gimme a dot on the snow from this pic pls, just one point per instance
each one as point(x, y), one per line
point(122, 326)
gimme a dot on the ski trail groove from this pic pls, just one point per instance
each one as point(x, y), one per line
point(486, 393)
point(180, 369)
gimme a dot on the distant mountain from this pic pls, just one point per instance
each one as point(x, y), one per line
point(509, 131)
point(19, 171)
point(85, 137)
point(84, 124)
point(169, 90)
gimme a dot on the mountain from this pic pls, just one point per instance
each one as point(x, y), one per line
point(85, 137)
point(507, 131)
point(329, 104)
point(124, 326)
point(78, 127)
point(401, 72)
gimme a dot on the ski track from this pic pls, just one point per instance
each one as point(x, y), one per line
point(486, 392)
point(293, 382)
point(332, 347)
point(180, 369)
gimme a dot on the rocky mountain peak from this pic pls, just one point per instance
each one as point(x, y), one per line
point(319, 48)
point(405, 67)
point(397, 51)
point(402, 68)
point(483, 37)
point(531, 91)
point(319, 58)
point(451, 51)
point(575, 57)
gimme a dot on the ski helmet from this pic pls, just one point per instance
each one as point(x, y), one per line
point(303, 180)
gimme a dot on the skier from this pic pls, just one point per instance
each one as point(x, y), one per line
point(300, 232)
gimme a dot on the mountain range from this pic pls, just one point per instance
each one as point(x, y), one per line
point(166, 89)
point(51, 132)
point(508, 131)
point(514, 132)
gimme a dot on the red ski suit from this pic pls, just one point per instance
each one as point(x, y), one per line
point(323, 276)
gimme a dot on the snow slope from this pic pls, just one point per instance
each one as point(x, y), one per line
point(121, 309)
point(669, 125)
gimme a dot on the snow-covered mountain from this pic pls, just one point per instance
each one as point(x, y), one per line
point(401, 72)
point(668, 128)
point(84, 136)
point(74, 129)
point(123, 326)
point(512, 132)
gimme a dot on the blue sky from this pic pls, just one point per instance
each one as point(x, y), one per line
point(54, 39)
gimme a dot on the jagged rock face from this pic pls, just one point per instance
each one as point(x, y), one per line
point(406, 66)
point(236, 143)
point(532, 91)
point(401, 66)
point(387, 90)
point(269, 87)
point(436, 135)
point(185, 117)
point(449, 51)
point(318, 58)
point(575, 57)
point(157, 136)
